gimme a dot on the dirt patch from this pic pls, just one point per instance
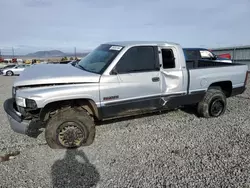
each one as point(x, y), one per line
point(9, 156)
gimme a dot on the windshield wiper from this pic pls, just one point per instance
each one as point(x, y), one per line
point(86, 69)
point(81, 67)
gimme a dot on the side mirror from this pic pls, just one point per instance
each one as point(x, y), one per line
point(114, 71)
point(214, 57)
point(158, 67)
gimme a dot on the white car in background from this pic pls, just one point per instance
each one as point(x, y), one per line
point(16, 70)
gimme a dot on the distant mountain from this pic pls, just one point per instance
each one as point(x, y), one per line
point(54, 53)
point(44, 54)
point(48, 54)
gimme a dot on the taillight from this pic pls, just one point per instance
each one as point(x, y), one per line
point(245, 83)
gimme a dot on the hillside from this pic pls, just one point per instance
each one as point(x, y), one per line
point(46, 55)
point(43, 54)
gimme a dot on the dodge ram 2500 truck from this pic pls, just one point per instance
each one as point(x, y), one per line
point(117, 79)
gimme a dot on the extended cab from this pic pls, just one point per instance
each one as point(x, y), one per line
point(117, 79)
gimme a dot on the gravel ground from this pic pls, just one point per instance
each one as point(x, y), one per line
point(174, 149)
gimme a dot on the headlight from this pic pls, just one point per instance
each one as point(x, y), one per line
point(29, 103)
point(20, 101)
point(13, 92)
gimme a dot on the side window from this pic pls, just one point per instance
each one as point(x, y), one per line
point(168, 58)
point(137, 59)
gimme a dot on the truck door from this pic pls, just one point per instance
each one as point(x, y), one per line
point(173, 73)
point(134, 85)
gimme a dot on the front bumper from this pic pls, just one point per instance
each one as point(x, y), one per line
point(16, 122)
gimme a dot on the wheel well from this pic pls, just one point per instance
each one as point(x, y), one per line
point(87, 104)
point(226, 87)
point(9, 71)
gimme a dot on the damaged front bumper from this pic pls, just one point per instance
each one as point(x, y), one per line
point(17, 123)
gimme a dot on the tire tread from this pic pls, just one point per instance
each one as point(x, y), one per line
point(69, 114)
point(203, 106)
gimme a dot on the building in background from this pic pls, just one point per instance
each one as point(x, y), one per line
point(239, 54)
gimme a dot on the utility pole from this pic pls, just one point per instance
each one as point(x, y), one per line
point(75, 52)
point(13, 53)
point(1, 59)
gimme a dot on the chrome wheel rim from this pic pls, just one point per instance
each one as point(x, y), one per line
point(70, 134)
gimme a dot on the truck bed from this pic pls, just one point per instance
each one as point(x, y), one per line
point(195, 64)
point(203, 73)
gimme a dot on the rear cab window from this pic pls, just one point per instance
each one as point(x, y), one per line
point(191, 54)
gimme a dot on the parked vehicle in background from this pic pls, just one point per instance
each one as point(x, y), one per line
point(64, 62)
point(16, 70)
point(193, 54)
point(43, 62)
point(15, 60)
point(6, 67)
point(115, 80)
point(225, 56)
point(53, 62)
point(74, 62)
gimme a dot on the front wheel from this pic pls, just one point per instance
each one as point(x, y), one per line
point(70, 128)
point(9, 73)
point(213, 104)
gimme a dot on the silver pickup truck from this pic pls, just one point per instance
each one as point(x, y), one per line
point(117, 79)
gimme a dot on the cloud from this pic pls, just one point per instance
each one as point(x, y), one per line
point(87, 23)
point(37, 3)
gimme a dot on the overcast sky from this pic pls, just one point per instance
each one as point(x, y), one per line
point(31, 25)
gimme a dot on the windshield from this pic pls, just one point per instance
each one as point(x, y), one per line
point(100, 58)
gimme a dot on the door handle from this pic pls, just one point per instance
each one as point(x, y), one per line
point(155, 79)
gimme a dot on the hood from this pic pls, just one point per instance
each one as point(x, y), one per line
point(43, 74)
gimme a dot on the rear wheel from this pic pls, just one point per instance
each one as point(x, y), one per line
point(70, 128)
point(213, 104)
point(9, 73)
